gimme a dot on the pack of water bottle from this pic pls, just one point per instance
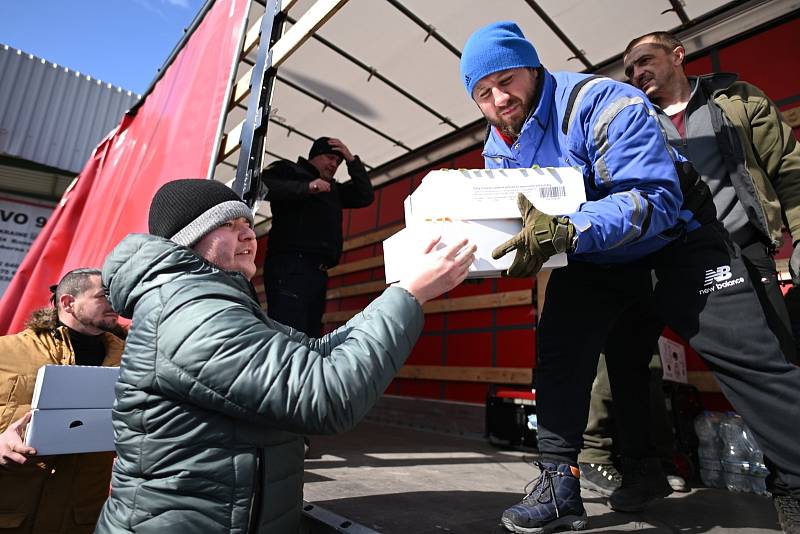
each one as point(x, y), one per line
point(729, 455)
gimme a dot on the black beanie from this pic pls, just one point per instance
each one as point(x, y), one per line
point(321, 146)
point(184, 211)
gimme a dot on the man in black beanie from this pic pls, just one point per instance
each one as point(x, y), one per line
point(306, 235)
point(213, 396)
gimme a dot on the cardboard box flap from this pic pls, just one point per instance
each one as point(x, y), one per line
point(492, 193)
point(70, 431)
point(60, 387)
point(403, 250)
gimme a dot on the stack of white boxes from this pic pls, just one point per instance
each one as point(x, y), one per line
point(72, 409)
point(481, 206)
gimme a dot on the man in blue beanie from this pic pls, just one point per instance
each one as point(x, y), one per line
point(647, 213)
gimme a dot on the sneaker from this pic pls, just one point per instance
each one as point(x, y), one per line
point(788, 509)
point(678, 483)
point(553, 501)
point(600, 478)
point(675, 481)
point(643, 482)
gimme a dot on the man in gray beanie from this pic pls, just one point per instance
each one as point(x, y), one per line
point(213, 396)
point(647, 211)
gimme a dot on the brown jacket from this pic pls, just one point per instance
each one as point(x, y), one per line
point(48, 494)
point(767, 160)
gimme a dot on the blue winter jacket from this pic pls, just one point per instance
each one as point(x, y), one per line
point(612, 135)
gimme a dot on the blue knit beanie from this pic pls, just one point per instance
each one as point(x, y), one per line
point(498, 46)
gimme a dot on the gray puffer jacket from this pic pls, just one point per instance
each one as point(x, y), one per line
point(213, 396)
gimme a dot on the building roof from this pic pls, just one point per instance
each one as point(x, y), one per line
point(52, 115)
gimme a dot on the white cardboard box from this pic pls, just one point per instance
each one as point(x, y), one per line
point(72, 409)
point(480, 205)
point(70, 431)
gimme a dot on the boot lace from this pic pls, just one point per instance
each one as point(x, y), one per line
point(541, 487)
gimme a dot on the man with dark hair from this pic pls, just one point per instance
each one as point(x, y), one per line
point(62, 493)
point(646, 213)
point(735, 138)
point(306, 235)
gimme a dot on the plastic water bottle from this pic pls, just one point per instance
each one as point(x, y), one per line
point(707, 428)
point(742, 459)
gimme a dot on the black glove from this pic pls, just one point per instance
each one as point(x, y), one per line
point(542, 236)
point(794, 264)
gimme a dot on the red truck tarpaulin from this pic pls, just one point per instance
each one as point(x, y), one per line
point(171, 135)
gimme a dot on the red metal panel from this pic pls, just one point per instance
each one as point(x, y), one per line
point(427, 351)
point(466, 392)
point(515, 315)
point(701, 65)
point(515, 284)
point(469, 350)
point(356, 254)
point(356, 278)
point(515, 348)
point(417, 179)
point(171, 136)
point(362, 220)
point(391, 202)
point(769, 60)
point(469, 319)
point(471, 287)
point(426, 389)
point(434, 322)
point(470, 160)
point(355, 303)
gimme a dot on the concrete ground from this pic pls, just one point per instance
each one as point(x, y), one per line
point(399, 480)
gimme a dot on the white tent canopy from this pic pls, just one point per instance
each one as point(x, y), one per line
point(382, 75)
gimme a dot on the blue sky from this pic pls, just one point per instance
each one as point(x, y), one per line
point(122, 42)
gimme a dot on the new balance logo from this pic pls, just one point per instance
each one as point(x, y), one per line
point(720, 274)
point(719, 278)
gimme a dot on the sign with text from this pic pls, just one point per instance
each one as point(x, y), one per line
point(20, 223)
point(673, 360)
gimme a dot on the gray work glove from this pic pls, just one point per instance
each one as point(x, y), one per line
point(542, 236)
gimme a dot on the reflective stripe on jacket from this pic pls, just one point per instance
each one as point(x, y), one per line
point(612, 136)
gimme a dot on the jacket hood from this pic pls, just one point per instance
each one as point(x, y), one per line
point(43, 320)
point(141, 263)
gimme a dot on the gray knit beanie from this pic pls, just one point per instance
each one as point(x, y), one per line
point(184, 211)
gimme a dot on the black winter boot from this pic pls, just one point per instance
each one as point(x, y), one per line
point(553, 501)
point(643, 482)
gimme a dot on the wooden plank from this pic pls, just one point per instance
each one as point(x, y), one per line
point(230, 142)
point(372, 237)
point(355, 266)
point(477, 302)
point(480, 302)
point(252, 37)
point(356, 289)
point(242, 88)
point(312, 20)
point(704, 381)
point(493, 375)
